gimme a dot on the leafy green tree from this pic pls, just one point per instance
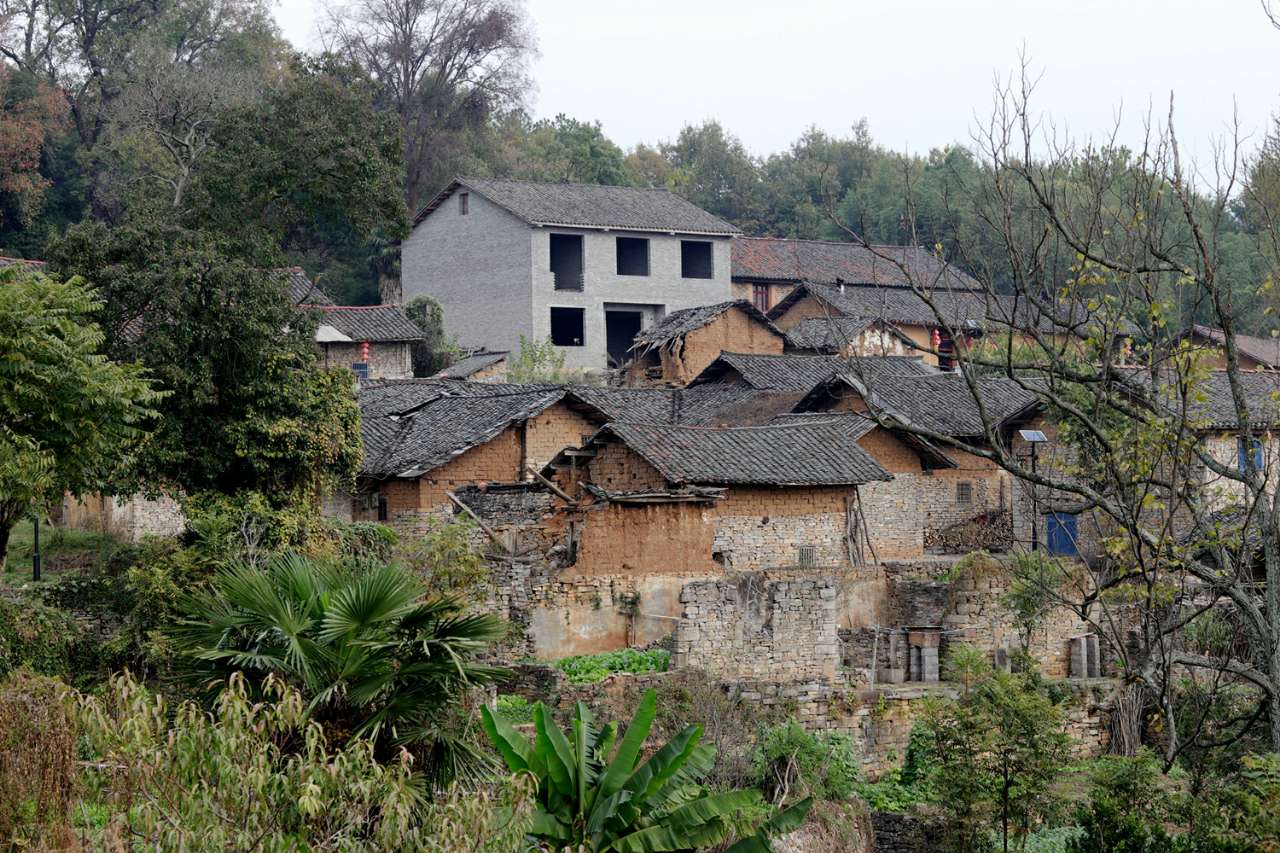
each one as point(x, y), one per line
point(595, 798)
point(713, 169)
point(68, 415)
point(370, 654)
point(998, 747)
point(248, 407)
point(1125, 808)
point(313, 164)
point(434, 352)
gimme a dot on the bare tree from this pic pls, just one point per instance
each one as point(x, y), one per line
point(440, 64)
point(1105, 244)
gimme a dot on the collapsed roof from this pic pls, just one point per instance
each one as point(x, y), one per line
point(679, 323)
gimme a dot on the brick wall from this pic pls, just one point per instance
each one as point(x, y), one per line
point(752, 628)
point(647, 539)
point(619, 469)
point(128, 517)
point(551, 431)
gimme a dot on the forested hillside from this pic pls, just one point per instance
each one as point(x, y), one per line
point(198, 111)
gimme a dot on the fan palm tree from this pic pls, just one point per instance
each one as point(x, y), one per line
point(372, 655)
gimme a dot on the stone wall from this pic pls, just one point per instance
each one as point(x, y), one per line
point(130, 518)
point(388, 360)
point(748, 627)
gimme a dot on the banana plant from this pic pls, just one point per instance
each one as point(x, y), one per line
point(596, 795)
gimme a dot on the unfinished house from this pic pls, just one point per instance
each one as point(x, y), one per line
point(766, 269)
point(587, 266)
point(481, 366)
point(677, 348)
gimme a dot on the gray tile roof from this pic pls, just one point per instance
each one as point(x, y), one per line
point(822, 453)
point(803, 372)
point(467, 367)
point(374, 323)
point(941, 403)
point(590, 206)
point(443, 428)
point(771, 372)
point(780, 259)
point(302, 290)
point(1209, 402)
point(960, 309)
point(680, 323)
point(1263, 350)
point(826, 334)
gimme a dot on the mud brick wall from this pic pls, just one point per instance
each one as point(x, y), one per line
point(129, 517)
point(758, 528)
point(551, 431)
point(761, 630)
point(647, 539)
point(618, 469)
point(732, 331)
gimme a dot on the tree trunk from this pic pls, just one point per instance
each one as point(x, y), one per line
point(6, 527)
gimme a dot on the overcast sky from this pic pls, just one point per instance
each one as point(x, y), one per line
point(919, 71)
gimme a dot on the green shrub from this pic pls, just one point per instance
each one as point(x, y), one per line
point(791, 761)
point(904, 787)
point(255, 774)
point(44, 639)
point(588, 669)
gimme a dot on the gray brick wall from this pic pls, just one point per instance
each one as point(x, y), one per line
point(491, 273)
point(478, 266)
point(386, 361)
point(657, 294)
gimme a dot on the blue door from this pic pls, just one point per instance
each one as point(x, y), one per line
point(1060, 532)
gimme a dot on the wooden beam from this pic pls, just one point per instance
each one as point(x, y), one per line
point(550, 485)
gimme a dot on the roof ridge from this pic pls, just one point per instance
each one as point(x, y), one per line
point(708, 427)
point(355, 307)
point(830, 242)
point(464, 178)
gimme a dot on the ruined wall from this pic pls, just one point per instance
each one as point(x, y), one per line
point(732, 331)
point(617, 468)
point(749, 627)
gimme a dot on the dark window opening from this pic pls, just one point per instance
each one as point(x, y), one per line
point(566, 261)
point(760, 297)
point(633, 256)
point(964, 493)
point(567, 326)
point(620, 329)
point(464, 203)
point(695, 259)
point(382, 507)
point(361, 370)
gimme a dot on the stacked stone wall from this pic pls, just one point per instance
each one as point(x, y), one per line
point(751, 628)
